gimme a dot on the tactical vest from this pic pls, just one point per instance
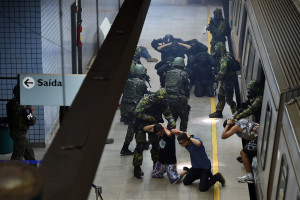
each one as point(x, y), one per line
point(131, 93)
point(230, 62)
point(174, 82)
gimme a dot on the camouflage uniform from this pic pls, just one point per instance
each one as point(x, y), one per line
point(135, 89)
point(226, 77)
point(18, 126)
point(218, 28)
point(124, 115)
point(148, 111)
point(178, 89)
point(253, 105)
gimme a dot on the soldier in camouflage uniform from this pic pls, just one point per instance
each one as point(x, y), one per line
point(226, 77)
point(218, 28)
point(178, 89)
point(148, 111)
point(19, 119)
point(134, 90)
point(136, 60)
point(253, 105)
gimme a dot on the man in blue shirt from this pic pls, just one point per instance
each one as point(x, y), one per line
point(201, 165)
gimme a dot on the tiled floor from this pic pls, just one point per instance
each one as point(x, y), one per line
point(115, 172)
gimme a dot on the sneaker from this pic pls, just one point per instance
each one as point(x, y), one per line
point(138, 173)
point(216, 115)
point(245, 179)
point(126, 152)
point(152, 60)
point(239, 159)
point(221, 179)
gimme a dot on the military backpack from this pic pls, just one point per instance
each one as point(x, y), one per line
point(131, 93)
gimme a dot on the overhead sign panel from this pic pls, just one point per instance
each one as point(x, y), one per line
point(49, 89)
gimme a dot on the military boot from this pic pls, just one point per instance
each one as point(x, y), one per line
point(138, 173)
point(217, 114)
point(125, 151)
point(221, 179)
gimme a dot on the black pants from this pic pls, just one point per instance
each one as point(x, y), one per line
point(205, 176)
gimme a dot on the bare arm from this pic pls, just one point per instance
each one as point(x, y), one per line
point(185, 45)
point(149, 128)
point(196, 142)
point(230, 129)
point(163, 46)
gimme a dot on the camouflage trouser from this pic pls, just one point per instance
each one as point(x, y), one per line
point(130, 132)
point(180, 108)
point(226, 95)
point(127, 110)
point(22, 148)
point(140, 138)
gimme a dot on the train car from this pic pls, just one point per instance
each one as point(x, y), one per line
point(286, 184)
point(265, 39)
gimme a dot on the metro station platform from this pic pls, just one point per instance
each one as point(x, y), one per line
point(115, 172)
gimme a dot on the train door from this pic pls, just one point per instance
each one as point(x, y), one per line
point(286, 183)
point(247, 61)
point(265, 143)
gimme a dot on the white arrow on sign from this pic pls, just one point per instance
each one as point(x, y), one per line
point(28, 82)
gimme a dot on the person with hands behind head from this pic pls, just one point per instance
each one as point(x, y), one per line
point(167, 153)
point(248, 130)
point(150, 110)
point(201, 165)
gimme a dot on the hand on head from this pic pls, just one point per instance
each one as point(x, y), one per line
point(230, 121)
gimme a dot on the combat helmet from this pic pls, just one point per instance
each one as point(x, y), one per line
point(220, 49)
point(253, 89)
point(178, 63)
point(160, 95)
point(168, 38)
point(139, 70)
point(218, 13)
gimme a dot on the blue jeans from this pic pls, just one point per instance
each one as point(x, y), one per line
point(144, 52)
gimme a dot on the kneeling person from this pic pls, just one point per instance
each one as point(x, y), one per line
point(167, 153)
point(201, 165)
